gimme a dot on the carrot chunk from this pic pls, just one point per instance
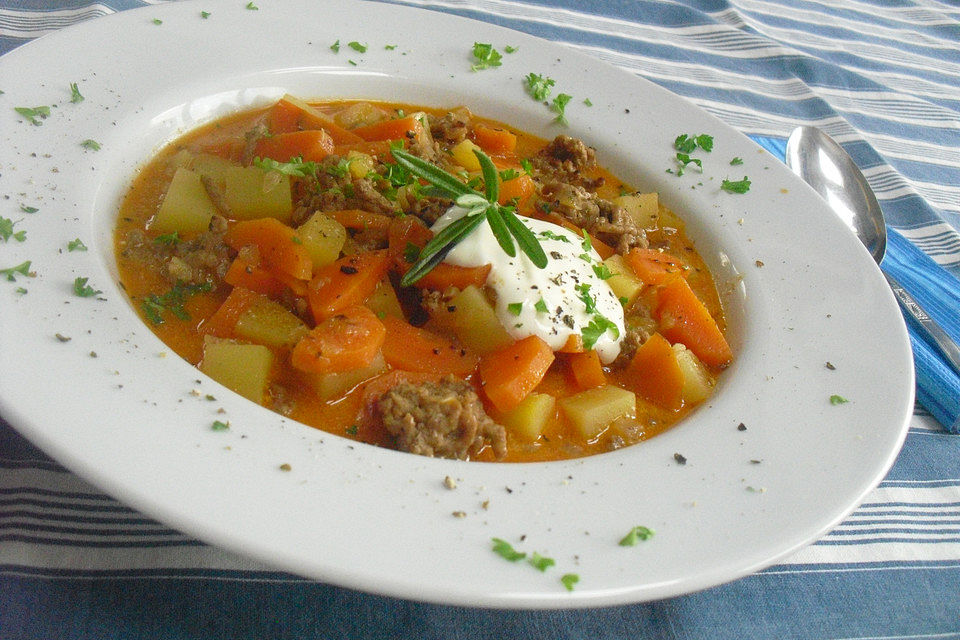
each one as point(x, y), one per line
point(494, 141)
point(519, 188)
point(248, 274)
point(346, 282)
point(655, 374)
point(410, 231)
point(654, 267)
point(586, 369)
point(393, 129)
point(312, 146)
point(413, 349)
point(224, 319)
point(685, 319)
point(346, 341)
point(292, 114)
point(510, 374)
point(281, 251)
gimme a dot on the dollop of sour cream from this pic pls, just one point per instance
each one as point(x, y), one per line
point(563, 299)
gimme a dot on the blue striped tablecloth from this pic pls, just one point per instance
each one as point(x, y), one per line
point(881, 76)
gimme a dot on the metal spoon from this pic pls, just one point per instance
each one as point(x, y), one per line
point(825, 166)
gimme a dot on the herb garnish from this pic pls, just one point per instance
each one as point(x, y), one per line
point(252, 7)
point(504, 223)
point(569, 580)
point(75, 95)
point(204, 14)
point(7, 232)
point(636, 535)
point(93, 145)
point(835, 399)
point(76, 245)
point(688, 144)
point(740, 186)
point(541, 563)
point(157, 21)
point(220, 426)
point(28, 209)
point(11, 272)
point(34, 115)
point(736, 161)
point(356, 46)
point(538, 86)
point(486, 56)
point(296, 167)
point(559, 105)
point(335, 47)
point(541, 306)
point(82, 289)
point(504, 549)
point(153, 305)
point(515, 308)
point(169, 239)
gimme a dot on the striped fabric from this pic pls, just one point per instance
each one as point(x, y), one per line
point(882, 77)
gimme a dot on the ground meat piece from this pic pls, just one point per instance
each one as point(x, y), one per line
point(566, 159)
point(442, 419)
point(451, 128)
point(632, 340)
point(251, 138)
point(335, 190)
point(429, 208)
point(601, 218)
point(205, 259)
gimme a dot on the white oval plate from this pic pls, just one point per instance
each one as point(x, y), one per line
point(379, 520)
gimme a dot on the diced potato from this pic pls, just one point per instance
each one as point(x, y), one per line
point(245, 368)
point(529, 418)
point(212, 168)
point(697, 381)
point(361, 164)
point(592, 411)
point(186, 207)
point(625, 283)
point(383, 301)
point(270, 323)
point(644, 208)
point(323, 237)
point(251, 192)
point(471, 317)
point(334, 385)
point(464, 156)
point(360, 114)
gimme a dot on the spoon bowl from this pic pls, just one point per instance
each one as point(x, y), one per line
point(823, 164)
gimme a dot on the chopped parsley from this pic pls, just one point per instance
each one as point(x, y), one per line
point(541, 563)
point(506, 551)
point(82, 289)
point(602, 271)
point(636, 535)
point(515, 308)
point(550, 235)
point(509, 174)
point(688, 144)
point(736, 161)
point(34, 115)
point(335, 47)
point(296, 167)
point(220, 426)
point(509, 49)
point(252, 7)
point(7, 232)
point(684, 159)
point(559, 105)
point(598, 326)
point(541, 306)
point(389, 47)
point(739, 186)
point(411, 252)
point(538, 86)
point(76, 245)
point(157, 21)
point(154, 306)
point(569, 580)
point(587, 102)
point(835, 399)
point(486, 56)
point(204, 14)
point(169, 239)
point(11, 272)
point(351, 430)
point(587, 242)
point(75, 95)
point(28, 209)
point(93, 145)
point(358, 47)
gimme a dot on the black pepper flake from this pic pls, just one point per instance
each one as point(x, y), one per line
point(681, 459)
point(436, 351)
point(568, 320)
point(347, 269)
point(555, 255)
point(741, 427)
point(451, 308)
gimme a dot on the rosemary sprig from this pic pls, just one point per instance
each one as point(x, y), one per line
point(504, 223)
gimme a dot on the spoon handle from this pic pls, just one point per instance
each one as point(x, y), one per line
point(935, 335)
